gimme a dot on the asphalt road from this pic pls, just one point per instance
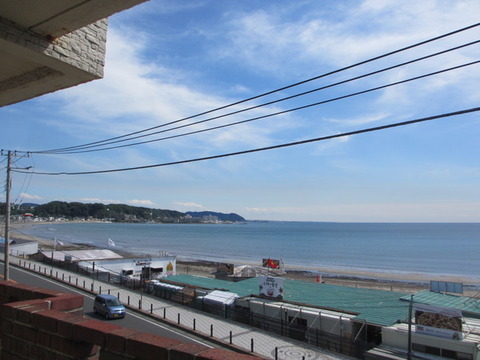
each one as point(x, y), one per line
point(132, 320)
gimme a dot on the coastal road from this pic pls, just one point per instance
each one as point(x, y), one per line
point(132, 320)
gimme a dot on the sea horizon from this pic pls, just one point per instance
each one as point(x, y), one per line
point(415, 251)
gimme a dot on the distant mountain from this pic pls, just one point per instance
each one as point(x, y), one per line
point(117, 212)
point(221, 216)
point(28, 205)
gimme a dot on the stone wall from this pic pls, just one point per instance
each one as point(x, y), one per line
point(84, 48)
point(48, 65)
point(38, 323)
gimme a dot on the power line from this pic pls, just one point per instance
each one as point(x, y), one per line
point(272, 91)
point(280, 112)
point(101, 147)
point(302, 142)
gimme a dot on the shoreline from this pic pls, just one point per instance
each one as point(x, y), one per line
point(402, 282)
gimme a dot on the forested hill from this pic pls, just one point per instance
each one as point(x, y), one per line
point(222, 217)
point(118, 212)
point(114, 212)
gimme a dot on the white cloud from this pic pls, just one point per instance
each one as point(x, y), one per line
point(189, 205)
point(261, 49)
point(137, 94)
point(273, 43)
point(259, 210)
point(101, 201)
point(30, 197)
point(140, 92)
point(359, 120)
point(141, 202)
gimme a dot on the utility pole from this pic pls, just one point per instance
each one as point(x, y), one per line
point(409, 345)
point(6, 274)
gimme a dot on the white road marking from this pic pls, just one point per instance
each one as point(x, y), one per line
point(70, 288)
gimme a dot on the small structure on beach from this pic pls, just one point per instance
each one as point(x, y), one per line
point(269, 267)
point(364, 323)
point(20, 247)
point(75, 256)
point(248, 271)
point(138, 268)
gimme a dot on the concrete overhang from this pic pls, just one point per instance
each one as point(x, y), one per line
point(52, 44)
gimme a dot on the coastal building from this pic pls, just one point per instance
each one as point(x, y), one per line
point(20, 247)
point(456, 337)
point(76, 256)
point(364, 323)
point(137, 268)
point(105, 261)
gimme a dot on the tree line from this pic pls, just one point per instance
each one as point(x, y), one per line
point(77, 210)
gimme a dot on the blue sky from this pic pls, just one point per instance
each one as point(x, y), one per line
point(167, 60)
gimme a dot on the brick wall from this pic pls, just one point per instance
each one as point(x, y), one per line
point(38, 323)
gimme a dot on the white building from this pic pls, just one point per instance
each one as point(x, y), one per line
point(20, 247)
point(137, 268)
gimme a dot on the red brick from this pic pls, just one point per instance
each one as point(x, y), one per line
point(150, 346)
point(21, 348)
point(186, 351)
point(6, 326)
point(69, 347)
point(10, 310)
point(48, 320)
point(17, 291)
point(117, 339)
point(6, 341)
point(43, 339)
point(62, 357)
point(78, 312)
point(24, 332)
point(38, 352)
point(24, 315)
point(107, 355)
point(94, 331)
point(32, 292)
point(66, 326)
point(36, 306)
point(6, 355)
point(67, 302)
point(220, 354)
point(41, 293)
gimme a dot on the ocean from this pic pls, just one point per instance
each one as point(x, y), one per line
point(429, 249)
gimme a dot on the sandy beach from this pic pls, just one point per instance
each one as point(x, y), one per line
point(408, 282)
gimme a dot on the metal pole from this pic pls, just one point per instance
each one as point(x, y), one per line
point(409, 354)
point(6, 274)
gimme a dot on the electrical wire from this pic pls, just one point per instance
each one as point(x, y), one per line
point(274, 91)
point(23, 189)
point(77, 150)
point(284, 145)
point(283, 112)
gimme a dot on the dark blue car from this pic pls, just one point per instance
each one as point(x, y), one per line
point(108, 306)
